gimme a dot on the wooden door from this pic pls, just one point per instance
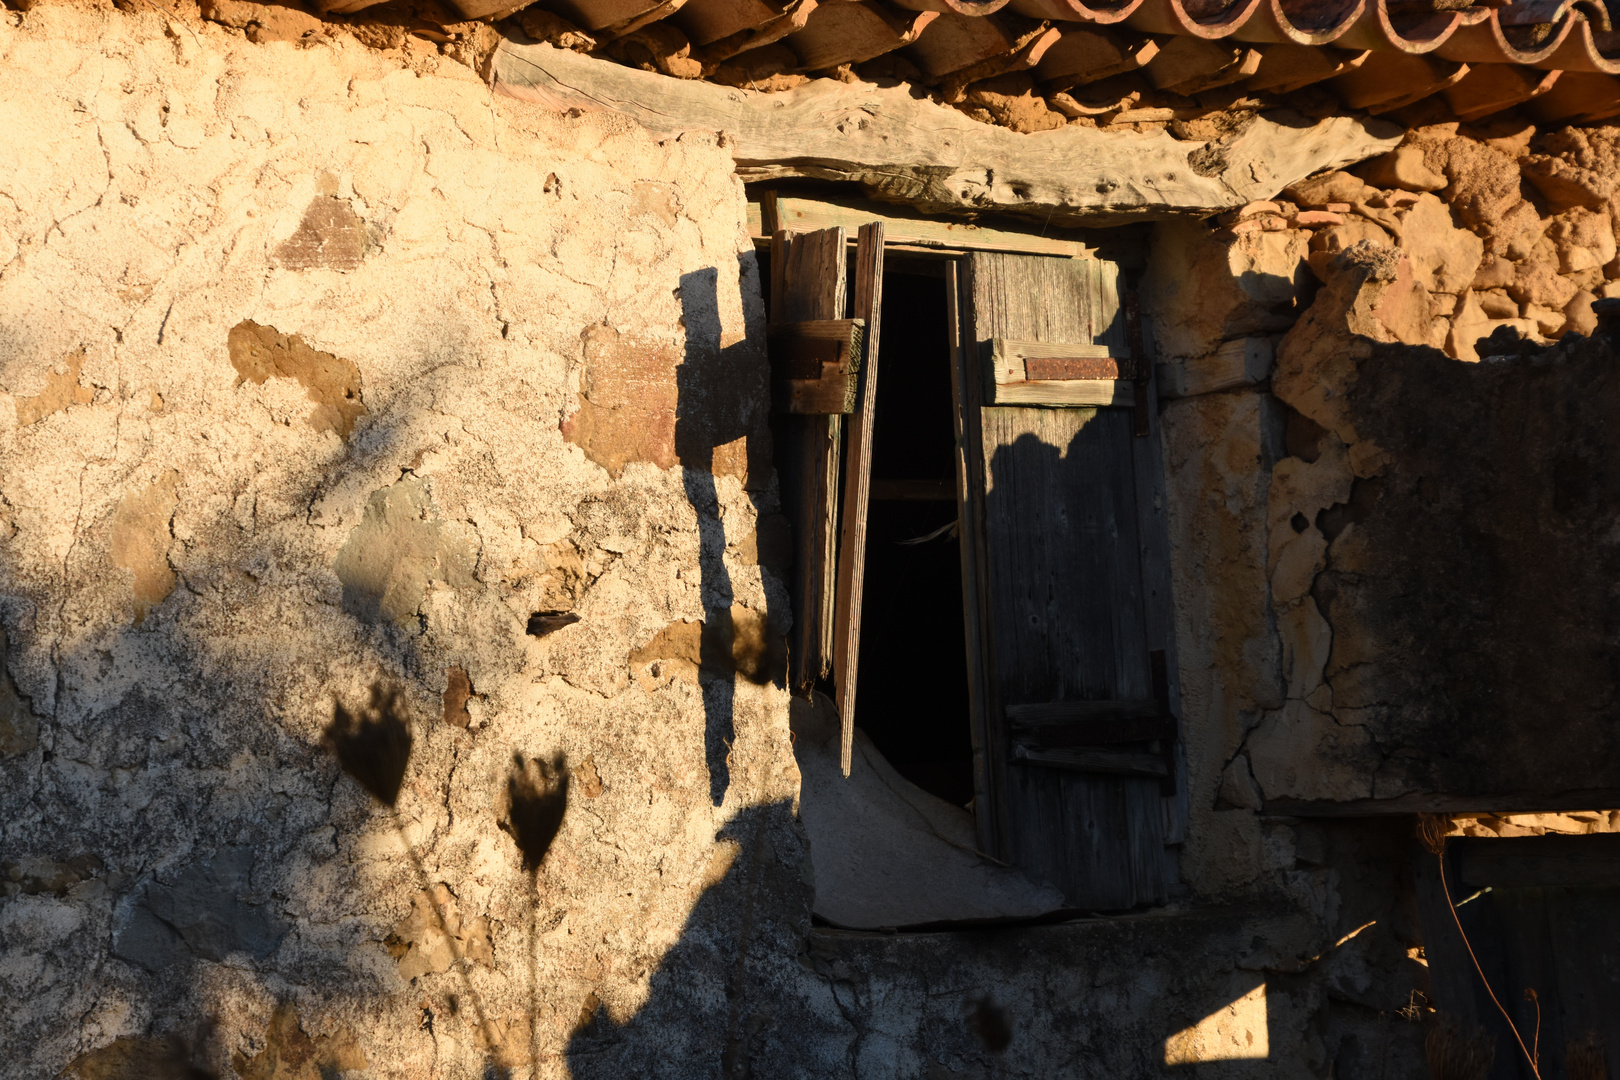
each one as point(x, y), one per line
point(1065, 560)
point(808, 284)
point(1539, 912)
point(809, 276)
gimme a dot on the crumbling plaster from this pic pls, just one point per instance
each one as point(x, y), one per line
point(1303, 575)
point(384, 382)
point(198, 560)
point(551, 331)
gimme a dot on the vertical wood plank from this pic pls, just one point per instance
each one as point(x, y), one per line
point(857, 489)
point(1586, 946)
point(809, 278)
point(989, 737)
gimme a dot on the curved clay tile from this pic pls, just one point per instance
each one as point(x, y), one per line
point(1075, 11)
point(1578, 52)
point(959, 7)
point(1379, 29)
point(1302, 22)
point(1209, 19)
point(1486, 42)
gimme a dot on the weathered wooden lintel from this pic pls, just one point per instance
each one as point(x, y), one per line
point(936, 159)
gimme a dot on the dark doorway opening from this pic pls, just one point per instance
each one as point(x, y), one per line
point(912, 699)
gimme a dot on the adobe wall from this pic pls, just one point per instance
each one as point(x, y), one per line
point(334, 386)
point(1392, 572)
point(325, 370)
point(1300, 687)
point(320, 371)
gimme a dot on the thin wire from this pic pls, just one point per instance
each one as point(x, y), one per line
point(1446, 889)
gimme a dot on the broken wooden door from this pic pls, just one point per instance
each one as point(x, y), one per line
point(808, 280)
point(814, 386)
point(1066, 570)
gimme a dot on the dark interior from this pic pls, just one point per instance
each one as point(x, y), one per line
point(912, 700)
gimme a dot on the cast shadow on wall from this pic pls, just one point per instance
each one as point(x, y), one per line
point(191, 886)
point(719, 392)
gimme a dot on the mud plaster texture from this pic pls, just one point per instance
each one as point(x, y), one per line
point(382, 382)
point(379, 396)
point(1487, 230)
point(1377, 539)
point(289, 340)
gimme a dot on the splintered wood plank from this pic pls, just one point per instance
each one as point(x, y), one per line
point(857, 490)
point(988, 735)
point(903, 226)
point(1067, 393)
point(808, 282)
point(815, 366)
point(1064, 595)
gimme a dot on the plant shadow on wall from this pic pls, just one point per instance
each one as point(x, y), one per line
point(194, 896)
point(225, 897)
point(189, 884)
point(713, 1005)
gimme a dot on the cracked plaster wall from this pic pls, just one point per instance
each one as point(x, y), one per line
point(1377, 541)
point(508, 366)
point(201, 548)
point(319, 370)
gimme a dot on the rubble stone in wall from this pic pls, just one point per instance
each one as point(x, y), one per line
point(1575, 168)
point(1205, 287)
point(1339, 368)
point(1402, 168)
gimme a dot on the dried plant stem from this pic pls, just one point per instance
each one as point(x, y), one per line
point(1446, 889)
point(484, 1031)
point(1535, 1042)
point(534, 974)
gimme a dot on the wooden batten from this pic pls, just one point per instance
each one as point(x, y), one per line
point(851, 579)
point(809, 278)
point(815, 365)
point(770, 211)
point(1099, 762)
point(1243, 362)
point(1042, 373)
